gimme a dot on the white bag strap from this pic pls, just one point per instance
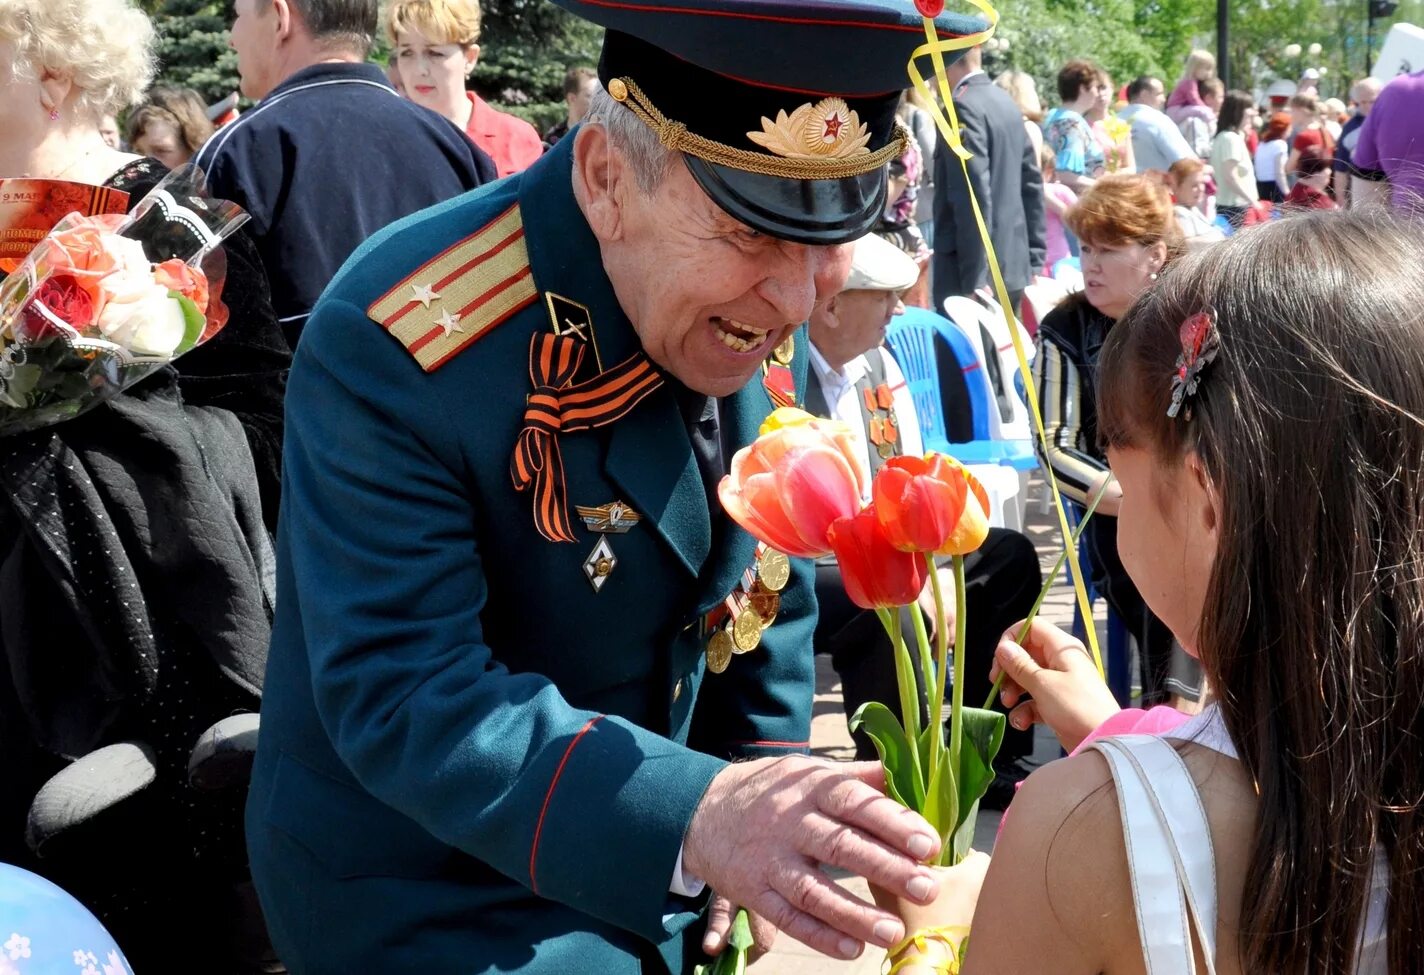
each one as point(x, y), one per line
point(1170, 855)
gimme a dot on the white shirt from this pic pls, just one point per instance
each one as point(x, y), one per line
point(843, 402)
point(1267, 153)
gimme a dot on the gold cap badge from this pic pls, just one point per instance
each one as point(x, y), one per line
point(829, 129)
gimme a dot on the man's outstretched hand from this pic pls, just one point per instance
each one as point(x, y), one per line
point(764, 828)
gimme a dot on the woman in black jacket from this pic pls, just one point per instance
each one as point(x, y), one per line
point(1128, 234)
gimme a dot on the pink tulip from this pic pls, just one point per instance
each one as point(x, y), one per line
point(793, 481)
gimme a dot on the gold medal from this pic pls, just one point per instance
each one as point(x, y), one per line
point(766, 604)
point(774, 570)
point(886, 449)
point(785, 352)
point(746, 631)
point(719, 651)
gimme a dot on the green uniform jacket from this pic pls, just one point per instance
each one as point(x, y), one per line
point(470, 760)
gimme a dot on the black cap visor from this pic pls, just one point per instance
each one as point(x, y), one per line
point(819, 212)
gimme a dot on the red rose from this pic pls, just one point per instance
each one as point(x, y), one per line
point(66, 299)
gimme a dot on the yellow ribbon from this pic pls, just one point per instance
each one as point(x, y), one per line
point(947, 120)
point(951, 936)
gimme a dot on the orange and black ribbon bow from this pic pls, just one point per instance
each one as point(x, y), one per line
point(557, 407)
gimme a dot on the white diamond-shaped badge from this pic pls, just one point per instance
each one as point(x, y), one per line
point(600, 564)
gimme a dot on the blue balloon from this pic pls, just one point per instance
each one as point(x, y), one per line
point(44, 931)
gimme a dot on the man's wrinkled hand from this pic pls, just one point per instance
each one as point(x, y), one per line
point(765, 828)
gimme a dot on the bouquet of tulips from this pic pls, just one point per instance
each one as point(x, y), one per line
point(103, 302)
point(798, 488)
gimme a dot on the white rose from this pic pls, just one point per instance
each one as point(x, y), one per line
point(144, 320)
point(126, 253)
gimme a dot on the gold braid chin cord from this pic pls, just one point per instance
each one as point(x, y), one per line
point(675, 136)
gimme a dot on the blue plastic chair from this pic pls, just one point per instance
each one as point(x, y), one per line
point(911, 337)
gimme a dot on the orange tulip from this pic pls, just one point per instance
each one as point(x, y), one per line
point(875, 573)
point(793, 481)
point(931, 504)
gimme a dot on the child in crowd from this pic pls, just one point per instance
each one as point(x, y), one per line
point(1186, 101)
point(1057, 201)
point(1187, 181)
point(1312, 172)
point(1273, 517)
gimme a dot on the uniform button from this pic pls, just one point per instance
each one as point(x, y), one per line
point(677, 690)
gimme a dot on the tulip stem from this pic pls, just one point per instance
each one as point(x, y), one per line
point(927, 667)
point(1048, 584)
point(905, 679)
point(940, 670)
point(956, 707)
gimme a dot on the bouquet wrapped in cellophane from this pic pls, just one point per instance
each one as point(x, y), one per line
point(105, 301)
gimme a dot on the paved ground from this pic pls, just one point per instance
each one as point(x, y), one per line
point(830, 739)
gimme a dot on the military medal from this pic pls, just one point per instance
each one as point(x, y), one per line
point(774, 569)
point(882, 429)
point(746, 631)
point(765, 603)
point(600, 564)
point(719, 651)
point(613, 518)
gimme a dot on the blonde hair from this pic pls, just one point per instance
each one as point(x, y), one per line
point(1200, 65)
point(1021, 88)
point(105, 46)
point(440, 21)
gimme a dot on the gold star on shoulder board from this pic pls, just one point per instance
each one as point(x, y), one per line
point(424, 294)
point(449, 323)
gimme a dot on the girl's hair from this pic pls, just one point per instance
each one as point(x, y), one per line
point(440, 21)
point(1125, 208)
point(1182, 170)
point(1277, 127)
point(1200, 64)
point(182, 108)
point(1022, 89)
point(1047, 160)
point(1305, 100)
point(1233, 111)
point(1209, 86)
point(1310, 427)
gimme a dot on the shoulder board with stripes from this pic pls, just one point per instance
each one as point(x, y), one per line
point(461, 294)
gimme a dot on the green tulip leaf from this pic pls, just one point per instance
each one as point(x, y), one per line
point(942, 801)
point(740, 937)
point(194, 322)
point(983, 734)
point(885, 730)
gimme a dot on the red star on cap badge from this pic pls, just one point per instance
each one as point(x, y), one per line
point(833, 127)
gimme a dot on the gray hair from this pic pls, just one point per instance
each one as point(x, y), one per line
point(646, 155)
point(1366, 84)
point(344, 25)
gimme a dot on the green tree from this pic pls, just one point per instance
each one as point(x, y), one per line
point(192, 45)
point(525, 48)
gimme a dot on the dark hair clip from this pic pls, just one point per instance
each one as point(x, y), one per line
point(1200, 343)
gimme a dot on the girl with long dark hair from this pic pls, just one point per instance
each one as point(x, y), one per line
point(1265, 418)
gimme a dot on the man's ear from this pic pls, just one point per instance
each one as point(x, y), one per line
point(286, 19)
point(602, 182)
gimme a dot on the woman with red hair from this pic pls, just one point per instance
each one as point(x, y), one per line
point(1128, 233)
point(1271, 159)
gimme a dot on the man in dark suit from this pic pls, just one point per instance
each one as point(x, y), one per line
point(1006, 180)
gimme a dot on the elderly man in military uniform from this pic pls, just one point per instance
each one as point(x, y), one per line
point(531, 696)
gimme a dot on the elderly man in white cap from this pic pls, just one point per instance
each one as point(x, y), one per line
point(854, 379)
